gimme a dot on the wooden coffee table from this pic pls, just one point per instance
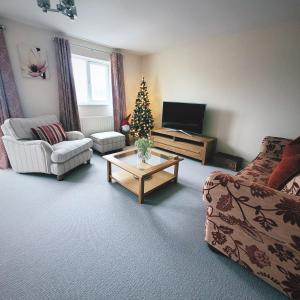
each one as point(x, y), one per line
point(151, 176)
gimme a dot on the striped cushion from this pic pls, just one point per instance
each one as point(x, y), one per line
point(52, 134)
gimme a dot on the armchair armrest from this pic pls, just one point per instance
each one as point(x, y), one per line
point(257, 209)
point(28, 156)
point(74, 135)
point(274, 146)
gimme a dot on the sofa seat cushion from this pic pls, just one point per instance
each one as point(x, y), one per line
point(260, 169)
point(62, 168)
point(65, 150)
point(293, 186)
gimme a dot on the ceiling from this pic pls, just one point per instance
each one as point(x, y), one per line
point(152, 25)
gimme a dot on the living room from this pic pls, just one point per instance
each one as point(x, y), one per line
point(174, 177)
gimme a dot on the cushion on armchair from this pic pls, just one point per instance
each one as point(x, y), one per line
point(53, 133)
point(288, 167)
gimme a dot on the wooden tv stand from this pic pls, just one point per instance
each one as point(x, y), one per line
point(199, 147)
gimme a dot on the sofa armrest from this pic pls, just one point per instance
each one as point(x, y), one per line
point(274, 146)
point(28, 156)
point(74, 135)
point(257, 209)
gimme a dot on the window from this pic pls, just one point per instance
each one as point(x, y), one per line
point(92, 80)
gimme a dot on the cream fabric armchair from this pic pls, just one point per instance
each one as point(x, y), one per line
point(28, 155)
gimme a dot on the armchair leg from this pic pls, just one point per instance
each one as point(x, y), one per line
point(60, 177)
point(88, 162)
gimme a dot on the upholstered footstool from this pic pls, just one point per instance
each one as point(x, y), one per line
point(108, 141)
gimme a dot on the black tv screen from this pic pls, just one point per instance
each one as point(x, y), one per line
point(183, 116)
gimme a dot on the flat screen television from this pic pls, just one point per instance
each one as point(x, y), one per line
point(182, 116)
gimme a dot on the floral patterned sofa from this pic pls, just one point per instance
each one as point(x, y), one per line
point(255, 225)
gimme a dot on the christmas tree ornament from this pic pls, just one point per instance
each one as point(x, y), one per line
point(125, 127)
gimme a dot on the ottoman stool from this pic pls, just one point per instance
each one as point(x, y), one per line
point(108, 141)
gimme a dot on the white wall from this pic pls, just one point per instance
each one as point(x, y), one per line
point(37, 96)
point(40, 97)
point(250, 83)
point(133, 76)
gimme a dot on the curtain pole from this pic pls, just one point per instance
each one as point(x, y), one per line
point(92, 49)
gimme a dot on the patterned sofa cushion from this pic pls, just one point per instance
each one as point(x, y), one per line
point(66, 150)
point(260, 169)
point(274, 146)
point(293, 186)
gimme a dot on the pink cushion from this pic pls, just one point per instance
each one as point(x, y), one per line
point(288, 167)
point(293, 148)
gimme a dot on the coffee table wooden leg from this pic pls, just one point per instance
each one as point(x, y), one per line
point(108, 171)
point(176, 167)
point(141, 190)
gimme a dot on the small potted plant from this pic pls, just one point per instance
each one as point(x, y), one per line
point(143, 146)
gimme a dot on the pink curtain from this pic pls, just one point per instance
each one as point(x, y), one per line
point(10, 106)
point(68, 108)
point(118, 89)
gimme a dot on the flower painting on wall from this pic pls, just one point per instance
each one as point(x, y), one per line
point(34, 62)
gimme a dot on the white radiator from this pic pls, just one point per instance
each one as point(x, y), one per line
point(90, 125)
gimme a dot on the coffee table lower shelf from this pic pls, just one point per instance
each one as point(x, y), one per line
point(139, 188)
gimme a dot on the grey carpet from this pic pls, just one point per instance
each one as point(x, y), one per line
point(84, 238)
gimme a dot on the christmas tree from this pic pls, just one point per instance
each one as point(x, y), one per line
point(142, 120)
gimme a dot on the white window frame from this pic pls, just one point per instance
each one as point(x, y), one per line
point(89, 101)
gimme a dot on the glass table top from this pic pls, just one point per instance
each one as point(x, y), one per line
point(157, 157)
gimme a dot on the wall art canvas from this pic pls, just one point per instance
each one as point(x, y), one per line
point(34, 62)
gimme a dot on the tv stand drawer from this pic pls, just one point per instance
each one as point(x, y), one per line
point(198, 156)
point(199, 147)
point(178, 144)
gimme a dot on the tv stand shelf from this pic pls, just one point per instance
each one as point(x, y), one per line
point(199, 147)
